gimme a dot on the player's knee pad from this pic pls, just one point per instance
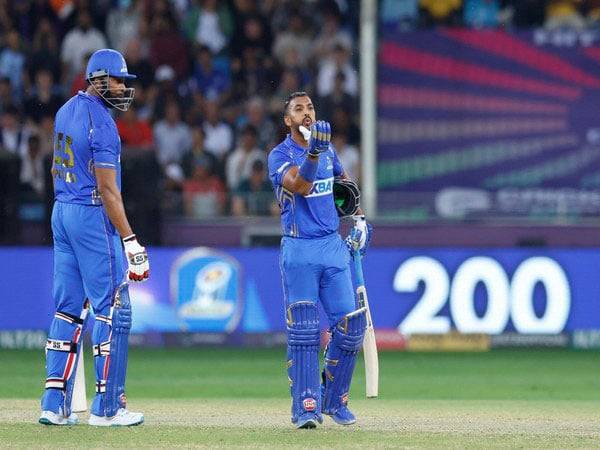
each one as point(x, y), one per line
point(346, 340)
point(303, 358)
point(110, 338)
point(62, 348)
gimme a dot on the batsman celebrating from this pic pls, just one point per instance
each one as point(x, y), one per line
point(314, 261)
point(90, 231)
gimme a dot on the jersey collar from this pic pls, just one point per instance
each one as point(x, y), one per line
point(292, 144)
point(92, 98)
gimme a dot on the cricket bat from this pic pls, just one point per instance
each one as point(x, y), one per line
point(369, 343)
point(79, 400)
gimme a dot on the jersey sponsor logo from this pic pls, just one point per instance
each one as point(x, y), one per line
point(321, 187)
point(329, 163)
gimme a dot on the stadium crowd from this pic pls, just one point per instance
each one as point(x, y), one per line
point(212, 77)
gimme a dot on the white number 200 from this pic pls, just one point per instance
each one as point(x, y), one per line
point(505, 299)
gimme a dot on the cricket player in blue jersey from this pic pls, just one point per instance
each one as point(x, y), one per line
point(95, 249)
point(314, 261)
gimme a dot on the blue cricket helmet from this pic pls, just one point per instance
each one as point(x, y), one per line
point(106, 63)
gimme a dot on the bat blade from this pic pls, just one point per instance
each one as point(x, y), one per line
point(79, 400)
point(369, 348)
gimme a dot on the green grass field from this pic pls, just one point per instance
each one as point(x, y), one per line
point(222, 398)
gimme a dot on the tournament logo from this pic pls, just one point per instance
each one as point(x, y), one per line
point(309, 404)
point(205, 287)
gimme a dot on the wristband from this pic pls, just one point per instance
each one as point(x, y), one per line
point(131, 237)
point(308, 169)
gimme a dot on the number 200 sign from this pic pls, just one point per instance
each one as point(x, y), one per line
point(505, 299)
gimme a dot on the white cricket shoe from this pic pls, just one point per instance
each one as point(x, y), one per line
point(51, 418)
point(122, 418)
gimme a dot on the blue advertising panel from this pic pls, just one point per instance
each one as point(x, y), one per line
point(234, 290)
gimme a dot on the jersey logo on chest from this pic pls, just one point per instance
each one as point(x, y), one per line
point(321, 187)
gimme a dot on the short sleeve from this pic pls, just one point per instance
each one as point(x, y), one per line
point(104, 142)
point(279, 163)
point(338, 169)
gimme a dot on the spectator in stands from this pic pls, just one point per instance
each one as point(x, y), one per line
point(6, 95)
point(45, 132)
point(44, 99)
point(212, 82)
point(239, 162)
point(347, 154)
point(13, 134)
point(137, 64)
point(135, 133)
point(164, 91)
point(198, 150)
point(255, 114)
point(254, 195)
point(79, 82)
point(441, 12)
point(342, 122)
point(32, 168)
point(290, 81)
point(44, 50)
point(123, 25)
point(167, 47)
point(296, 37)
point(209, 23)
point(404, 13)
point(12, 63)
point(338, 98)
point(204, 192)
point(339, 62)
point(564, 14)
point(79, 42)
point(251, 31)
point(481, 13)
point(173, 139)
point(331, 35)
point(218, 134)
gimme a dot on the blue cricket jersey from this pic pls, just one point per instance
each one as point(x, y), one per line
point(85, 137)
point(313, 215)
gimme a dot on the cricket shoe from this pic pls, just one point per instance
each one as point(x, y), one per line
point(343, 416)
point(51, 418)
point(308, 420)
point(123, 418)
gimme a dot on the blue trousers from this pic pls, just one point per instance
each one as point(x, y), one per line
point(89, 263)
point(318, 269)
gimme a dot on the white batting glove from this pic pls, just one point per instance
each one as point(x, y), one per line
point(137, 258)
point(360, 223)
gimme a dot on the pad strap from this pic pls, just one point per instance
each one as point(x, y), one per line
point(105, 319)
point(55, 383)
point(61, 346)
point(102, 349)
point(100, 386)
point(69, 317)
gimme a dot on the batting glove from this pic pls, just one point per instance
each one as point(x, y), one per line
point(319, 137)
point(360, 235)
point(137, 258)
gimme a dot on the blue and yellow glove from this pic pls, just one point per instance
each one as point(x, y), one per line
point(319, 137)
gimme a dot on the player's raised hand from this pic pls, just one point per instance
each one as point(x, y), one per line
point(137, 258)
point(320, 137)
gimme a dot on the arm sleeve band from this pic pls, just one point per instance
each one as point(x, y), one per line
point(308, 169)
